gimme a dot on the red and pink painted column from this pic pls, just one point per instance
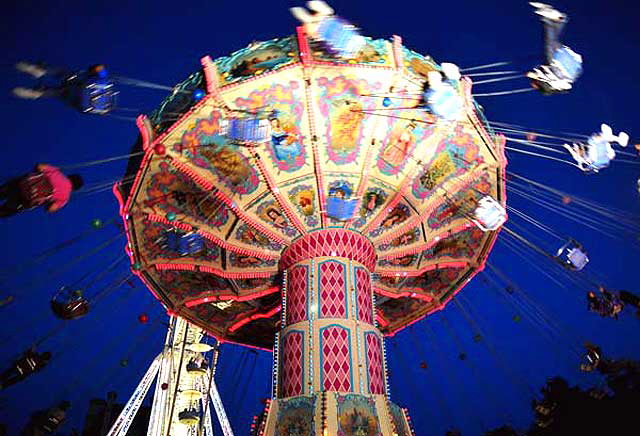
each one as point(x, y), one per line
point(329, 359)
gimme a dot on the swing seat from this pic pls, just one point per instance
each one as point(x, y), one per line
point(567, 64)
point(195, 369)
point(189, 417)
point(98, 97)
point(340, 37)
point(489, 214)
point(248, 130)
point(444, 101)
point(572, 255)
point(341, 209)
point(184, 244)
point(189, 244)
point(172, 241)
point(69, 305)
point(599, 153)
point(72, 310)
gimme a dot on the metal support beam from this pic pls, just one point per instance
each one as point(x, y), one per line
point(124, 420)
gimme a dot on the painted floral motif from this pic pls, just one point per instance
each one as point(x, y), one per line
point(303, 198)
point(390, 282)
point(295, 417)
point(286, 147)
point(270, 212)
point(251, 236)
point(208, 149)
point(357, 416)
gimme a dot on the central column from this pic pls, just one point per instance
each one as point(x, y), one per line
point(328, 340)
point(329, 359)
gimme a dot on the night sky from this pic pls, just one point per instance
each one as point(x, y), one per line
point(162, 42)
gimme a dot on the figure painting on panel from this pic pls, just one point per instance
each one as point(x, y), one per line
point(399, 145)
point(284, 143)
point(371, 201)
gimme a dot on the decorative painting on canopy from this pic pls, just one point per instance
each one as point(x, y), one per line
point(206, 148)
point(398, 309)
point(190, 284)
point(418, 64)
point(399, 421)
point(376, 52)
point(222, 316)
point(168, 190)
point(177, 102)
point(245, 235)
point(454, 155)
point(256, 59)
point(399, 146)
point(270, 212)
point(401, 263)
point(235, 260)
point(357, 415)
point(413, 236)
point(389, 282)
point(285, 113)
point(463, 244)
point(398, 215)
point(461, 204)
point(295, 416)
point(257, 284)
point(435, 281)
point(303, 198)
point(373, 198)
point(341, 104)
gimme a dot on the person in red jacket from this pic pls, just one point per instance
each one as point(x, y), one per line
point(46, 186)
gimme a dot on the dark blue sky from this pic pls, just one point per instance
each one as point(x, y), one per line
point(162, 42)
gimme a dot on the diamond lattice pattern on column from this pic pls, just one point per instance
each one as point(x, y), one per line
point(333, 287)
point(336, 359)
point(363, 289)
point(297, 294)
point(374, 360)
point(292, 364)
